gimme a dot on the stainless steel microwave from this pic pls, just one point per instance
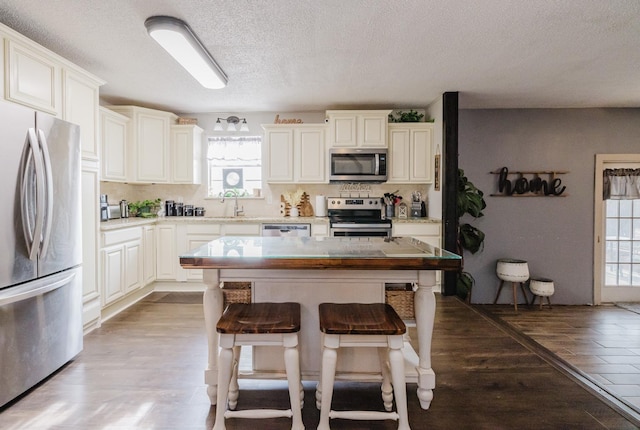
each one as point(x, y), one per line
point(358, 165)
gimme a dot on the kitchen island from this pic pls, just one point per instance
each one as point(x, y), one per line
point(311, 271)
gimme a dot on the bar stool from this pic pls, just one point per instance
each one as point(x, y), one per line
point(541, 287)
point(516, 272)
point(268, 324)
point(363, 325)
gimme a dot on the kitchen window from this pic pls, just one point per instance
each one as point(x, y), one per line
point(234, 165)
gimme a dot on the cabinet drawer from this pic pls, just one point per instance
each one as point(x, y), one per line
point(242, 230)
point(417, 229)
point(118, 236)
point(203, 229)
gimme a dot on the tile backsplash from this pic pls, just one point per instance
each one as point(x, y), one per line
point(266, 205)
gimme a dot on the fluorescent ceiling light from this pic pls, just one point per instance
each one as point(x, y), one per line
point(181, 43)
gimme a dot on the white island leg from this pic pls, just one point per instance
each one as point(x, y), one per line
point(213, 303)
point(425, 308)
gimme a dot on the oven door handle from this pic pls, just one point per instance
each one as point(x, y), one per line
point(360, 226)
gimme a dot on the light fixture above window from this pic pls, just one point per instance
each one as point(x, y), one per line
point(177, 38)
point(232, 123)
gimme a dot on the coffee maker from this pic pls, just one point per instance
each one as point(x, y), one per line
point(104, 208)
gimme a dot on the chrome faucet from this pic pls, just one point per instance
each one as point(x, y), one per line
point(237, 211)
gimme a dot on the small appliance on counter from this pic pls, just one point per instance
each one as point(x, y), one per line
point(113, 212)
point(124, 209)
point(104, 208)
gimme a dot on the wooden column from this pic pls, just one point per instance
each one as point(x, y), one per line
point(450, 183)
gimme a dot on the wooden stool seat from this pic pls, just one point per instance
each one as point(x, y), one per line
point(265, 324)
point(363, 325)
point(242, 318)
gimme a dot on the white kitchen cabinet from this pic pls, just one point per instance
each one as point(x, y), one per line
point(166, 254)
point(149, 253)
point(113, 138)
point(430, 233)
point(32, 76)
point(186, 149)
point(122, 263)
point(148, 142)
point(191, 236)
point(309, 154)
point(410, 159)
point(296, 153)
point(90, 245)
point(278, 153)
point(351, 128)
point(426, 232)
point(80, 102)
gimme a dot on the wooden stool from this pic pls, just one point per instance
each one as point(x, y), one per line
point(516, 272)
point(542, 287)
point(363, 325)
point(268, 324)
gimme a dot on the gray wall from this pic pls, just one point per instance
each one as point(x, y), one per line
point(554, 234)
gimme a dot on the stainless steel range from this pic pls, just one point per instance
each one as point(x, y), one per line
point(362, 216)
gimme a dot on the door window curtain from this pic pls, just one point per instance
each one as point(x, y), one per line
point(621, 184)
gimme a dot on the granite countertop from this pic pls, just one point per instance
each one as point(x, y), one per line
point(137, 221)
point(398, 253)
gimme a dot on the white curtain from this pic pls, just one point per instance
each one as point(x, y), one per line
point(621, 184)
point(235, 151)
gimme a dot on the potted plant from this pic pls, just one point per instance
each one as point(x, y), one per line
point(411, 116)
point(144, 208)
point(470, 200)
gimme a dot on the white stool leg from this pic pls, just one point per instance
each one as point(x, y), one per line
point(292, 366)
point(387, 390)
point(329, 359)
point(396, 360)
point(234, 389)
point(225, 369)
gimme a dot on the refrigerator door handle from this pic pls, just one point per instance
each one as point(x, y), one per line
point(36, 288)
point(48, 195)
point(32, 234)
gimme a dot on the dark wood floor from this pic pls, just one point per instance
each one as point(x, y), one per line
point(144, 370)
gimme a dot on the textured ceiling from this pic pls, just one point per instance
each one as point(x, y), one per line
point(309, 55)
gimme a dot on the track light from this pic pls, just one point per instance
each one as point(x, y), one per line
point(177, 38)
point(232, 123)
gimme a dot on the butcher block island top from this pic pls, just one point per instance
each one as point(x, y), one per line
point(352, 253)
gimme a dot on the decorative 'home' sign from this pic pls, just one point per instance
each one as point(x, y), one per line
point(534, 186)
point(279, 120)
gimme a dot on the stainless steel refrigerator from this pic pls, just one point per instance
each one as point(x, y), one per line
point(40, 247)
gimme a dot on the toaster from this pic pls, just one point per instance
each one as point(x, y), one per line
point(113, 211)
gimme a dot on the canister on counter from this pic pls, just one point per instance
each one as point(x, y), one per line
point(188, 210)
point(169, 207)
point(179, 209)
point(199, 211)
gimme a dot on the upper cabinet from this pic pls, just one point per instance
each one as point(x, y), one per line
point(351, 128)
point(186, 147)
point(42, 80)
point(148, 143)
point(410, 157)
point(32, 76)
point(113, 137)
point(80, 105)
point(295, 153)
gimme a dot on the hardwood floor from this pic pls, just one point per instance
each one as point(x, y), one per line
point(143, 369)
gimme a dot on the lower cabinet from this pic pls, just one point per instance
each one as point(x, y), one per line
point(149, 248)
point(426, 232)
point(122, 263)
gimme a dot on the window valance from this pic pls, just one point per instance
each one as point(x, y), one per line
point(621, 184)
